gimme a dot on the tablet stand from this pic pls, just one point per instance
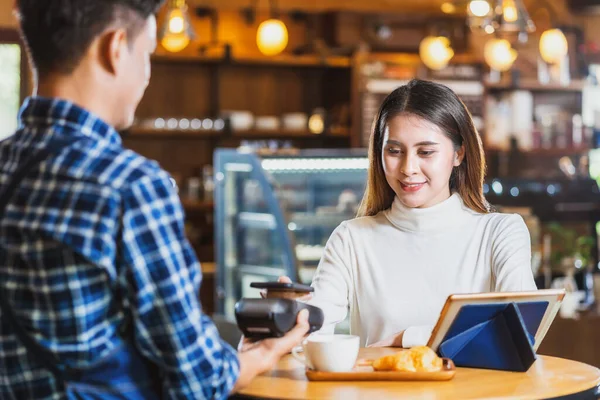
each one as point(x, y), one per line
point(501, 342)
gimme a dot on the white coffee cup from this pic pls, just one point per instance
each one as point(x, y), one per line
point(329, 353)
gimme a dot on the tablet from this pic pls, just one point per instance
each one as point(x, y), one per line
point(538, 309)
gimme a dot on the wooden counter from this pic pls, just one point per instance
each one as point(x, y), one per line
point(575, 339)
point(549, 377)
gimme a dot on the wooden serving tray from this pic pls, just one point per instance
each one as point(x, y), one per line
point(366, 373)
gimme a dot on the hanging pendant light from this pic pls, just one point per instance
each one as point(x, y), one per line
point(478, 8)
point(435, 52)
point(553, 46)
point(500, 16)
point(499, 54)
point(272, 37)
point(480, 15)
point(177, 31)
point(272, 34)
point(512, 16)
point(448, 7)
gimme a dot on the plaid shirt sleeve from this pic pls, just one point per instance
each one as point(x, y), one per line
point(162, 281)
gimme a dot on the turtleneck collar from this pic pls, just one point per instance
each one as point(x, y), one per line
point(448, 213)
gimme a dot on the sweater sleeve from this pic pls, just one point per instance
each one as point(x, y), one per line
point(416, 336)
point(332, 280)
point(511, 256)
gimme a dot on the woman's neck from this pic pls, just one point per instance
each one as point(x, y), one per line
point(437, 217)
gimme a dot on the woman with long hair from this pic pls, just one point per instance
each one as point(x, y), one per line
point(424, 229)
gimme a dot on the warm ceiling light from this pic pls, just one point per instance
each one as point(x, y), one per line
point(509, 11)
point(514, 17)
point(448, 8)
point(435, 52)
point(176, 22)
point(272, 37)
point(499, 54)
point(316, 124)
point(504, 16)
point(479, 8)
point(553, 46)
point(177, 31)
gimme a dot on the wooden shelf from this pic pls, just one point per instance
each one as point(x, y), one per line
point(415, 59)
point(187, 58)
point(534, 85)
point(290, 134)
point(339, 132)
point(291, 60)
point(550, 152)
point(197, 205)
point(283, 60)
point(136, 131)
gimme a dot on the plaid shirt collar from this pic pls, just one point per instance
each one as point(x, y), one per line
point(45, 112)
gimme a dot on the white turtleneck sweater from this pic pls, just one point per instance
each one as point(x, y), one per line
point(394, 271)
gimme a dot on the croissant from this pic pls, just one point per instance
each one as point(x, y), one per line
point(417, 359)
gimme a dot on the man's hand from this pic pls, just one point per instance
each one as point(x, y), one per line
point(276, 348)
point(248, 344)
point(258, 357)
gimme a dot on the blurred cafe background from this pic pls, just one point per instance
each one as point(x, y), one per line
point(261, 110)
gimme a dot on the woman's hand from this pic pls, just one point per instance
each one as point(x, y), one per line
point(285, 279)
point(392, 341)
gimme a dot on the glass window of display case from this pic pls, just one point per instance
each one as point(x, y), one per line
point(275, 212)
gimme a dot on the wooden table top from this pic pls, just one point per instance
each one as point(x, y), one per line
point(548, 377)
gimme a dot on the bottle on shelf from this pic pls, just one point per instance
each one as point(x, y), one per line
point(544, 279)
point(576, 130)
point(536, 136)
point(596, 130)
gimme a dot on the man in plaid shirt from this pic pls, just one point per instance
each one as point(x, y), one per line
point(92, 239)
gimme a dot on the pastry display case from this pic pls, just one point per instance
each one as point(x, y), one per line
point(274, 213)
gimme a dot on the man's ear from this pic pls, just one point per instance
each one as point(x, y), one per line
point(459, 156)
point(113, 46)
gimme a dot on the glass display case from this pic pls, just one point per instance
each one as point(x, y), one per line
point(275, 212)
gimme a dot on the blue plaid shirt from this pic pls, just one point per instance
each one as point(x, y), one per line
point(94, 235)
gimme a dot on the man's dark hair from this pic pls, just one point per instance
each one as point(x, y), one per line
point(58, 32)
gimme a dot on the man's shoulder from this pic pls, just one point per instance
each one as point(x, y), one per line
point(113, 165)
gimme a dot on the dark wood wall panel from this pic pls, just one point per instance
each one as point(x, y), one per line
point(336, 86)
point(265, 91)
point(177, 90)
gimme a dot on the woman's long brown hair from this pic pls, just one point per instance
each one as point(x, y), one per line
point(439, 105)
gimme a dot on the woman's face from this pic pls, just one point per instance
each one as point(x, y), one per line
point(418, 159)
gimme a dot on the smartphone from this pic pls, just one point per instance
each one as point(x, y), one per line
point(283, 287)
